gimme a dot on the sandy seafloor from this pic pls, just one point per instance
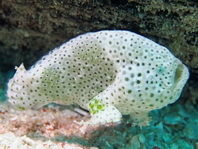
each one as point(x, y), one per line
point(173, 127)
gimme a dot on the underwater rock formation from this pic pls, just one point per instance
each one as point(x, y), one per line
point(26, 27)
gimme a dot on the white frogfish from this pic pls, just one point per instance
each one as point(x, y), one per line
point(110, 73)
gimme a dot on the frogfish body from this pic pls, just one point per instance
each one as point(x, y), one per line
point(109, 73)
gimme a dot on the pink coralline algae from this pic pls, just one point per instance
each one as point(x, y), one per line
point(47, 122)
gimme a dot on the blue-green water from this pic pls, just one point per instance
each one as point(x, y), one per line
point(4, 77)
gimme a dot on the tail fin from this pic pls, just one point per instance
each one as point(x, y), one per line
point(15, 85)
